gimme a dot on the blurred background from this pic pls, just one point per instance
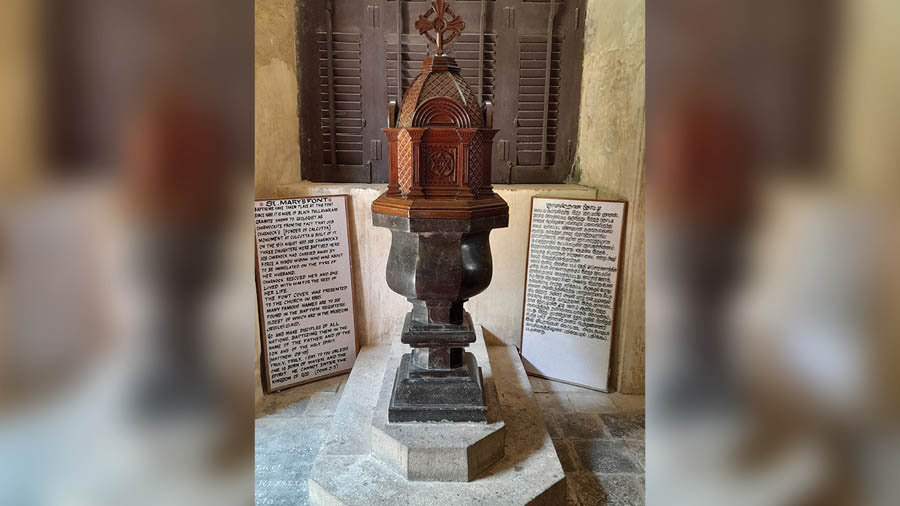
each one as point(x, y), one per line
point(126, 270)
point(772, 236)
point(126, 161)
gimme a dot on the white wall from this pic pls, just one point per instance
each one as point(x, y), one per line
point(611, 158)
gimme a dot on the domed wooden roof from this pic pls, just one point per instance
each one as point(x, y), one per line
point(439, 77)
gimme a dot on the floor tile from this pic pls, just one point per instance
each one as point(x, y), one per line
point(281, 479)
point(285, 408)
point(552, 425)
point(281, 493)
point(299, 436)
point(571, 496)
point(343, 379)
point(628, 403)
point(638, 450)
point(626, 426)
point(566, 455)
point(592, 402)
point(284, 466)
point(326, 385)
point(538, 385)
point(554, 402)
point(621, 489)
point(322, 404)
point(586, 489)
point(610, 456)
point(581, 426)
point(294, 401)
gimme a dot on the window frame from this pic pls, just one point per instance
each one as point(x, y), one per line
point(506, 24)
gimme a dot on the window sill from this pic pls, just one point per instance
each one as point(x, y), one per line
point(312, 188)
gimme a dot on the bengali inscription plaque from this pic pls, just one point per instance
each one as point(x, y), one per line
point(570, 289)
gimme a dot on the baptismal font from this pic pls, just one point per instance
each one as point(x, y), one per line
point(440, 208)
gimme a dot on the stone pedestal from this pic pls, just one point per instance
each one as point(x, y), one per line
point(368, 461)
point(438, 264)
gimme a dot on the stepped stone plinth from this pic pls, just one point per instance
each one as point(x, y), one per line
point(351, 469)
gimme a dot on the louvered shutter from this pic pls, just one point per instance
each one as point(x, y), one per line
point(341, 109)
point(537, 95)
point(513, 75)
point(464, 49)
point(534, 147)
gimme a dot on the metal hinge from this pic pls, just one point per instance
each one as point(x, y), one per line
point(503, 149)
point(375, 149)
point(510, 16)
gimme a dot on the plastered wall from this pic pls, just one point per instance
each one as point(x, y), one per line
point(610, 164)
point(611, 158)
point(20, 90)
point(277, 127)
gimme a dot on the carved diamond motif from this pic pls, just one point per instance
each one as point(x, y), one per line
point(404, 161)
point(470, 101)
point(440, 84)
point(411, 100)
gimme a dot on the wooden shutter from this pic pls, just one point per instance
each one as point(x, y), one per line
point(334, 55)
point(510, 48)
point(465, 49)
point(535, 136)
point(538, 96)
point(341, 100)
point(413, 51)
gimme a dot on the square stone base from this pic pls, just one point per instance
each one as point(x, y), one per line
point(449, 399)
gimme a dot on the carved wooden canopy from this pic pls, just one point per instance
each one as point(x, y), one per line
point(440, 144)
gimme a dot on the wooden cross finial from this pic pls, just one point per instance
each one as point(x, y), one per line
point(454, 26)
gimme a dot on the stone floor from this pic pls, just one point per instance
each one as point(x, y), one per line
point(599, 438)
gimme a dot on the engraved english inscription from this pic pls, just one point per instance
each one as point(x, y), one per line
point(305, 289)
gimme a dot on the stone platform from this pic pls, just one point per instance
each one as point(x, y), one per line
point(362, 457)
point(430, 451)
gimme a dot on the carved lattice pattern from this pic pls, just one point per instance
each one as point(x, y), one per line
point(408, 108)
point(440, 84)
point(404, 161)
point(476, 150)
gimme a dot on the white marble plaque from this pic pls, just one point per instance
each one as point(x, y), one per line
point(305, 290)
point(570, 289)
